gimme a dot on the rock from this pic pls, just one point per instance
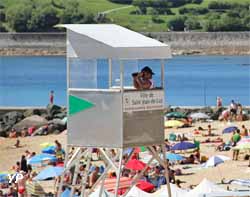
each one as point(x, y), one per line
point(56, 124)
point(53, 109)
point(206, 110)
point(11, 118)
point(34, 120)
point(60, 115)
point(57, 132)
point(31, 112)
point(215, 115)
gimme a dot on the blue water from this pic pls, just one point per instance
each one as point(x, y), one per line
point(190, 80)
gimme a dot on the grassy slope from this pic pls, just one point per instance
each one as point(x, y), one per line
point(123, 17)
point(143, 22)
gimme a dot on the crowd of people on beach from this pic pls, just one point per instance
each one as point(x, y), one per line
point(21, 174)
point(155, 174)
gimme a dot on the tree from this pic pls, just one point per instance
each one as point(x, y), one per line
point(72, 14)
point(43, 19)
point(157, 19)
point(17, 17)
point(177, 23)
point(122, 1)
point(2, 28)
point(191, 23)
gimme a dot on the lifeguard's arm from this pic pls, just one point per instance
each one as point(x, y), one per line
point(135, 83)
point(142, 85)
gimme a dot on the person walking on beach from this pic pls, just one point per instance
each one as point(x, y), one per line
point(51, 97)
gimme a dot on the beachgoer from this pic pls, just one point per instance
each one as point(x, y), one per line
point(58, 145)
point(239, 112)
point(184, 138)
point(24, 132)
point(21, 183)
point(94, 176)
point(17, 167)
point(209, 130)
point(13, 133)
point(33, 154)
point(167, 144)
point(220, 147)
point(17, 144)
point(31, 130)
point(24, 164)
point(143, 80)
point(225, 115)
point(233, 109)
point(236, 154)
point(178, 183)
point(12, 192)
point(219, 102)
point(244, 131)
point(27, 154)
point(236, 137)
point(51, 97)
point(188, 160)
point(197, 155)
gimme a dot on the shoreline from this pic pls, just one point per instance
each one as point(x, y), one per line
point(181, 43)
point(12, 52)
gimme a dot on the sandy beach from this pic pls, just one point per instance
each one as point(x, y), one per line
point(228, 170)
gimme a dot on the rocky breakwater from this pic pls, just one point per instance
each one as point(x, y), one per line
point(39, 121)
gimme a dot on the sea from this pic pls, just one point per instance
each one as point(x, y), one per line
point(189, 80)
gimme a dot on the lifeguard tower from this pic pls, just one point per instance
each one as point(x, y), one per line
point(104, 109)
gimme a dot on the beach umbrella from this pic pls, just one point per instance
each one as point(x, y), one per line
point(46, 144)
point(215, 160)
point(127, 151)
point(175, 115)
point(49, 150)
point(41, 158)
point(174, 157)
point(230, 129)
point(35, 188)
point(173, 123)
point(49, 172)
point(183, 146)
point(145, 186)
point(66, 193)
point(3, 178)
point(199, 115)
point(135, 164)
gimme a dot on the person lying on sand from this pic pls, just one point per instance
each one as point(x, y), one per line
point(188, 160)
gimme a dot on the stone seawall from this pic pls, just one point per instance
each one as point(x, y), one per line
point(220, 43)
point(225, 43)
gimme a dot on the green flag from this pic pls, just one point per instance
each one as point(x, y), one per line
point(77, 104)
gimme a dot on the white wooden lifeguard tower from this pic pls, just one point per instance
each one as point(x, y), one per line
point(104, 110)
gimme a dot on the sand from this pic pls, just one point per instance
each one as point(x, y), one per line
point(228, 170)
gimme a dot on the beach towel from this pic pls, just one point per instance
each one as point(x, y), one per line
point(242, 182)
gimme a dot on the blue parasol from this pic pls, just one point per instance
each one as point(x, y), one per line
point(230, 129)
point(183, 146)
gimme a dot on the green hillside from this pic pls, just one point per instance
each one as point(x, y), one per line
point(139, 15)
